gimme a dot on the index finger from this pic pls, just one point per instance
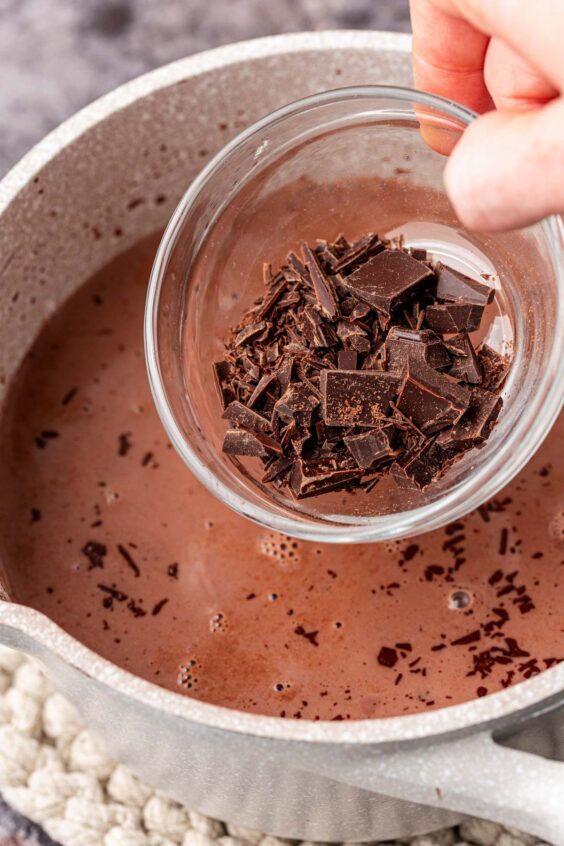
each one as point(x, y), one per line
point(448, 56)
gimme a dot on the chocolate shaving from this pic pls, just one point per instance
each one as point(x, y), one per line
point(95, 552)
point(124, 443)
point(323, 287)
point(128, 559)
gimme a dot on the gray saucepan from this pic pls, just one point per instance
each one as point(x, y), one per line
point(497, 757)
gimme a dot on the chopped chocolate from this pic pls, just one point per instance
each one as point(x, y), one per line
point(222, 375)
point(402, 343)
point(368, 245)
point(447, 318)
point(241, 442)
point(465, 363)
point(322, 285)
point(355, 397)
point(418, 253)
point(278, 467)
point(453, 285)
point(476, 423)
point(389, 279)
point(296, 404)
point(264, 383)
point(495, 368)
point(249, 332)
point(430, 399)
point(320, 476)
point(356, 363)
point(239, 415)
point(419, 467)
point(370, 447)
point(347, 360)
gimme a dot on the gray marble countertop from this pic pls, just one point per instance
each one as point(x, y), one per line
point(58, 55)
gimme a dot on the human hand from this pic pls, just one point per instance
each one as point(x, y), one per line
point(508, 168)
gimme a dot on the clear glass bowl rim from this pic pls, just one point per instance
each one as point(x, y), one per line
point(480, 486)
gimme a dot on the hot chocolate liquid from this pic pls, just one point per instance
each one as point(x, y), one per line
point(106, 532)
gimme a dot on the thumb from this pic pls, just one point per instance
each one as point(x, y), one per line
point(507, 170)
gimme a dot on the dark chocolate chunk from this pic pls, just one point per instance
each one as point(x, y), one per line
point(465, 363)
point(322, 285)
point(430, 399)
point(453, 285)
point(447, 318)
point(222, 375)
point(314, 330)
point(389, 279)
point(353, 336)
point(244, 443)
point(271, 299)
point(367, 245)
point(248, 332)
point(402, 343)
point(296, 404)
point(475, 425)
point(420, 467)
point(311, 478)
point(495, 367)
point(278, 468)
point(264, 383)
point(347, 360)
point(239, 415)
point(356, 397)
point(370, 447)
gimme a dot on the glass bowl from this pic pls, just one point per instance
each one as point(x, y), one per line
point(352, 160)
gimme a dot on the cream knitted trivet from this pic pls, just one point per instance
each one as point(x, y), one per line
point(58, 774)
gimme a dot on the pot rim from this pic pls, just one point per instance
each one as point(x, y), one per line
point(48, 636)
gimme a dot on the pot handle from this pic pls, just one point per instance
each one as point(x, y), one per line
point(474, 775)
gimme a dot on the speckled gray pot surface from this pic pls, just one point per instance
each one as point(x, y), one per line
point(110, 175)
